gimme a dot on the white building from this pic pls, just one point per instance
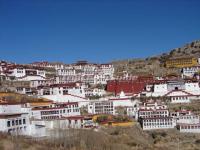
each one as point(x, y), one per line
point(62, 89)
point(86, 73)
point(56, 111)
point(94, 92)
point(190, 71)
point(107, 69)
point(46, 64)
point(68, 79)
point(186, 121)
point(109, 106)
point(101, 107)
point(17, 123)
point(189, 128)
point(180, 96)
point(36, 83)
point(152, 113)
point(25, 90)
point(151, 104)
point(21, 71)
point(123, 102)
point(162, 88)
point(157, 123)
point(152, 109)
point(71, 92)
point(14, 118)
point(47, 117)
point(155, 116)
point(102, 78)
point(66, 72)
point(31, 78)
point(54, 127)
point(38, 119)
point(4, 66)
point(132, 111)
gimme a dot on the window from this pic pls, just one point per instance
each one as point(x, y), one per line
point(24, 121)
point(8, 123)
point(13, 122)
point(20, 122)
point(16, 122)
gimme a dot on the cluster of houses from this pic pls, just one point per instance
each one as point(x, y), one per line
point(157, 116)
point(68, 89)
point(40, 74)
point(39, 119)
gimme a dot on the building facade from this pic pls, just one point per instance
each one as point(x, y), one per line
point(157, 123)
point(181, 62)
point(101, 107)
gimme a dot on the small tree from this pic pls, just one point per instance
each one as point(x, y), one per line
point(102, 118)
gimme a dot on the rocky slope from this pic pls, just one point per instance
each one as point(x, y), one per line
point(155, 65)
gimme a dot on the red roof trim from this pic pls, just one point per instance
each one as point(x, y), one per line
point(152, 110)
point(74, 117)
point(157, 118)
point(179, 91)
point(3, 116)
point(11, 103)
point(113, 99)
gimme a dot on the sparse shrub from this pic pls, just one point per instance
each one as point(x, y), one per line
point(193, 52)
point(179, 50)
point(163, 134)
point(116, 132)
point(197, 141)
point(192, 44)
point(102, 118)
point(132, 144)
point(172, 52)
point(154, 135)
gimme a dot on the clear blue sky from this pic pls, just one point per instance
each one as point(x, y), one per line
point(94, 30)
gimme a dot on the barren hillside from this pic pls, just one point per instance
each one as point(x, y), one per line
point(155, 65)
point(116, 138)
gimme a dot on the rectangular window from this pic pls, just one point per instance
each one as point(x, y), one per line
point(24, 121)
point(16, 122)
point(13, 122)
point(8, 123)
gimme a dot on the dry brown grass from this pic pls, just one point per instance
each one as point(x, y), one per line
point(108, 138)
point(15, 97)
point(194, 106)
point(155, 64)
